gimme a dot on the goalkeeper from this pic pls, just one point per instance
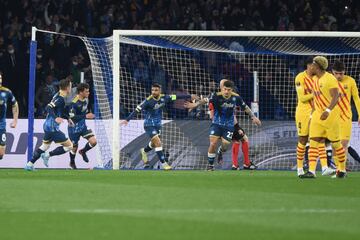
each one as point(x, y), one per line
point(153, 108)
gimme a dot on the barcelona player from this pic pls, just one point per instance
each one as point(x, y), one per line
point(325, 122)
point(348, 91)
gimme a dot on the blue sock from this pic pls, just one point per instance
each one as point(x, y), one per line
point(36, 155)
point(148, 148)
point(160, 154)
point(87, 147)
point(57, 151)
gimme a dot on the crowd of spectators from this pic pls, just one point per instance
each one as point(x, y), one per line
point(60, 57)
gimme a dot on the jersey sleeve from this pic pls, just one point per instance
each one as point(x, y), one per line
point(12, 98)
point(355, 95)
point(331, 82)
point(137, 110)
point(240, 103)
point(55, 103)
point(300, 91)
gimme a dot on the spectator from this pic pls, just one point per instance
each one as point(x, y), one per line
point(44, 95)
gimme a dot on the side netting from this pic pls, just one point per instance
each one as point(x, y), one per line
point(195, 65)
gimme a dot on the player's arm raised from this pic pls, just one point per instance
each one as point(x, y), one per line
point(137, 110)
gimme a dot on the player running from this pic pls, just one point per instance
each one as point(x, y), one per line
point(78, 113)
point(55, 116)
point(325, 122)
point(153, 108)
point(6, 96)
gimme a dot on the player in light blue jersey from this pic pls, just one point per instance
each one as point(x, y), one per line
point(78, 113)
point(6, 96)
point(55, 116)
point(153, 108)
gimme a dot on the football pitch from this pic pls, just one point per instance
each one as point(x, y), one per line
point(59, 204)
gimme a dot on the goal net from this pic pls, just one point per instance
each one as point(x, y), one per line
point(262, 65)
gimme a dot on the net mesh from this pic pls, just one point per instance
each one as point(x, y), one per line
point(195, 65)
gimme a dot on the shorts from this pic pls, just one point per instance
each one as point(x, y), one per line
point(302, 120)
point(237, 136)
point(57, 137)
point(3, 137)
point(153, 131)
point(75, 136)
point(345, 129)
point(221, 131)
point(324, 129)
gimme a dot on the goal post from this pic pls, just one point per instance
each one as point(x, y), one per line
point(263, 65)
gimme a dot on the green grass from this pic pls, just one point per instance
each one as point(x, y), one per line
point(176, 205)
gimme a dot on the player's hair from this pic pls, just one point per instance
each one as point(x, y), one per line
point(81, 87)
point(308, 61)
point(64, 83)
point(338, 66)
point(229, 84)
point(156, 85)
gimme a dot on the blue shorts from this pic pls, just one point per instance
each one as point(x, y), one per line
point(152, 131)
point(2, 137)
point(75, 136)
point(221, 131)
point(57, 137)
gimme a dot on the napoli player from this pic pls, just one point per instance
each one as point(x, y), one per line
point(153, 107)
point(222, 126)
point(55, 116)
point(78, 113)
point(6, 96)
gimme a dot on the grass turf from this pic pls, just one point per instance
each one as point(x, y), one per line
point(55, 204)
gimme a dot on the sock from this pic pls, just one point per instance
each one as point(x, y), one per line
point(72, 156)
point(245, 150)
point(336, 161)
point(313, 155)
point(87, 147)
point(300, 154)
point(160, 154)
point(354, 154)
point(235, 153)
point(220, 150)
point(340, 153)
point(1, 157)
point(306, 157)
point(57, 151)
point(148, 147)
point(36, 155)
point(323, 157)
point(329, 155)
point(211, 158)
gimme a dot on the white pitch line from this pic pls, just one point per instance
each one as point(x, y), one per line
point(177, 211)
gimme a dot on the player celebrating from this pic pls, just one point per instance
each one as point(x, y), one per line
point(78, 113)
point(348, 90)
point(222, 125)
point(6, 96)
point(55, 116)
point(325, 119)
point(153, 107)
